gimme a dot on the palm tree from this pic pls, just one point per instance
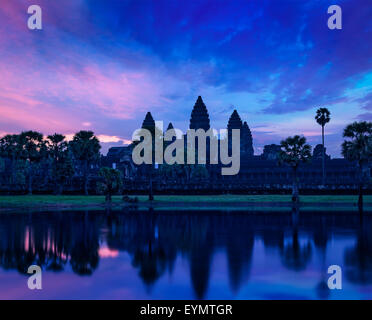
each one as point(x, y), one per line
point(62, 167)
point(56, 145)
point(359, 148)
point(9, 145)
point(323, 117)
point(294, 150)
point(33, 150)
point(85, 148)
point(10, 149)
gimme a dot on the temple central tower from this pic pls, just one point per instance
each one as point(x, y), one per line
point(199, 116)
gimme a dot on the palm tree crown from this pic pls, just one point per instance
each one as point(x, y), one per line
point(359, 145)
point(323, 116)
point(85, 146)
point(9, 145)
point(294, 150)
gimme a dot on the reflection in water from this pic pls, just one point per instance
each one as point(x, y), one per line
point(358, 259)
point(154, 240)
point(50, 241)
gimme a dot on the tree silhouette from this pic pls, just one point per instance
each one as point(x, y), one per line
point(358, 148)
point(323, 117)
point(112, 182)
point(10, 149)
point(62, 167)
point(85, 148)
point(358, 258)
point(294, 150)
point(33, 150)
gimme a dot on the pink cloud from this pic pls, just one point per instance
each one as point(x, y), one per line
point(105, 252)
point(51, 83)
point(61, 98)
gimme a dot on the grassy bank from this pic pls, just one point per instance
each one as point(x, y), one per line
point(50, 201)
point(257, 198)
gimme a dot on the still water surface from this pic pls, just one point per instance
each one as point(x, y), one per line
point(185, 255)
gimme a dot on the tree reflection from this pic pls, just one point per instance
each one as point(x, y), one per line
point(358, 259)
point(49, 241)
point(155, 240)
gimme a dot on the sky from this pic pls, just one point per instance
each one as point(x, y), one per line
point(100, 65)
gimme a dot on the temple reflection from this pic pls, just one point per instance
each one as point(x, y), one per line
point(74, 241)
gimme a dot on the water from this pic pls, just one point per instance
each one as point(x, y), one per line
point(185, 255)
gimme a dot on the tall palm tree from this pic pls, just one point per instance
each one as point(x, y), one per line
point(33, 151)
point(85, 148)
point(294, 150)
point(358, 148)
point(56, 145)
point(10, 149)
point(62, 167)
point(323, 117)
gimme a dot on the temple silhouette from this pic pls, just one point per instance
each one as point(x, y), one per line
point(258, 173)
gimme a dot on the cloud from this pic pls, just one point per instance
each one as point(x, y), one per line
point(104, 139)
point(103, 64)
point(367, 116)
point(107, 139)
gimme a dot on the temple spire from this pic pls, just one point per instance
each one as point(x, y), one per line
point(199, 116)
point(170, 126)
point(148, 122)
point(234, 122)
point(247, 140)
